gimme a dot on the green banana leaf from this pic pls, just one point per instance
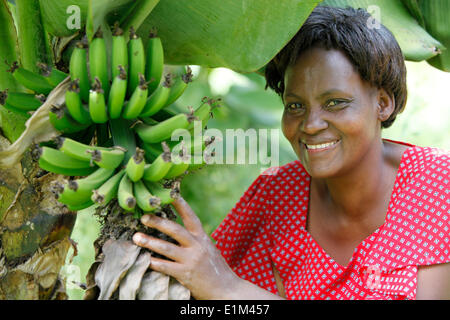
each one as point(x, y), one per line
point(437, 23)
point(416, 43)
point(242, 35)
point(8, 48)
point(414, 10)
point(12, 124)
point(58, 15)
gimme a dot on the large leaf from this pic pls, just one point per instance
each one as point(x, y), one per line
point(238, 34)
point(33, 42)
point(58, 15)
point(8, 48)
point(416, 43)
point(61, 17)
point(11, 123)
point(437, 23)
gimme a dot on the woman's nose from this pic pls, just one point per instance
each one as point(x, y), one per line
point(313, 122)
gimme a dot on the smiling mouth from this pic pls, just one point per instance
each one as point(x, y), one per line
point(320, 147)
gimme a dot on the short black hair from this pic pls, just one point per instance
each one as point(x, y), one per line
point(373, 51)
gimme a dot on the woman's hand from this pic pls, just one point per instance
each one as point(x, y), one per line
point(197, 264)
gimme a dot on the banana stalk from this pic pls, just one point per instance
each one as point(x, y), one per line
point(8, 48)
point(123, 137)
point(137, 14)
point(33, 43)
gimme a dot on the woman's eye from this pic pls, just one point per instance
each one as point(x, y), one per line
point(336, 103)
point(294, 107)
point(333, 103)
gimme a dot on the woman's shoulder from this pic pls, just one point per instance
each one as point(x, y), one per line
point(426, 163)
point(417, 230)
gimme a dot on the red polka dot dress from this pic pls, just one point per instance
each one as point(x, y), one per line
point(267, 226)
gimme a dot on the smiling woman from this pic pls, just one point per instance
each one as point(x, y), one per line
point(356, 216)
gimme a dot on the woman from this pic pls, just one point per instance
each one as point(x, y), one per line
point(356, 217)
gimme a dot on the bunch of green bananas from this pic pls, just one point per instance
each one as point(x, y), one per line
point(38, 86)
point(138, 186)
point(131, 89)
point(135, 161)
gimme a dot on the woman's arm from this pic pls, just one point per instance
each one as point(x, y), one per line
point(433, 282)
point(195, 262)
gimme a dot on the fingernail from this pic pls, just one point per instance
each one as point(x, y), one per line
point(137, 238)
point(145, 218)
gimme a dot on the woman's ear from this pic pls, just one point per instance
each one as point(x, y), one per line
point(386, 105)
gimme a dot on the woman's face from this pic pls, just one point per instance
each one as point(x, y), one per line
point(331, 115)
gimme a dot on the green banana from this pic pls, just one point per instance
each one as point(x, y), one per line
point(145, 200)
point(135, 166)
point(177, 170)
point(117, 94)
point(58, 162)
point(164, 129)
point(137, 101)
point(182, 164)
point(52, 75)
point(136, 57)
point(204, 112)
point(75, 105)
point(79, 207)
point(78, 192)
point(78, 70)
point(125, 194)
point(155, 62)
point(119, 56)
point(22, 102)
point(159, 167)
point(62, 121)
point(108, 159)
point(97, 105)
point(179, 86)
point(98, 62)
point(166, 196)
point(30, 80)
point(51, 167)
point(76, 149)
point(158, 99)
point(108, 190)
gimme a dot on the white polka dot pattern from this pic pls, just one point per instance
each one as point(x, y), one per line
point(267, 226)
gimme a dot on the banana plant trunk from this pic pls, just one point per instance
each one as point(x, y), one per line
point(34, 233)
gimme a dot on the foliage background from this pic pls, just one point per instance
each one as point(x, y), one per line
point(214, 190)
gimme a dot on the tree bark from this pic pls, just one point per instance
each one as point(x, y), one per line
point(34, 232)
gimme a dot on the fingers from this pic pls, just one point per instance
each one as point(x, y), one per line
point(171, 228)
point(165, 248)
point(190, 219)
point(170, 268)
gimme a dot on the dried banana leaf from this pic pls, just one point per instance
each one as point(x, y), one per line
point(177, 291)
point(154, 286)
point(119, 257)
point(130, 284)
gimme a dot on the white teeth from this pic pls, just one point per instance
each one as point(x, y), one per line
point(320, 146)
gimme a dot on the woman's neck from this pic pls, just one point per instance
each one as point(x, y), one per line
point(364, 189)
